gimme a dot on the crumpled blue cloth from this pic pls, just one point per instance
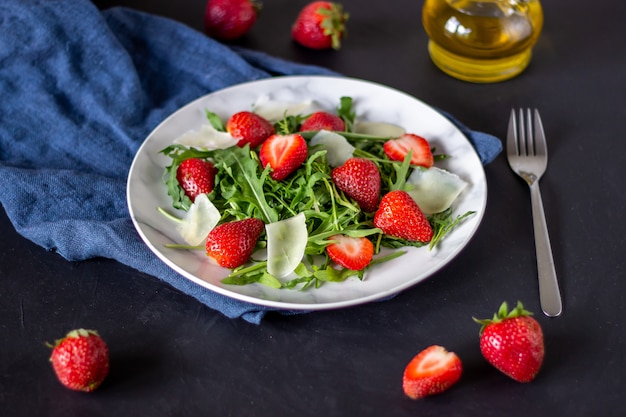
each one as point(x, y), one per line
point(80, 90)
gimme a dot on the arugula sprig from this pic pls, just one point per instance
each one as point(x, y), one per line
point(346, 112)
point(443, 223)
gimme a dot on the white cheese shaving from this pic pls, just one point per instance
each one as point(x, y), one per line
point(286, 242)
point(379, 129)
point(434, 189)
point(207, 137)
point(338, 149)
point(274, 110)
point(199, 220)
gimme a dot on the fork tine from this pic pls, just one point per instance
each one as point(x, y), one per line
point(530, 138)
point(523, 146)
point(511, 141)
point(540, 137)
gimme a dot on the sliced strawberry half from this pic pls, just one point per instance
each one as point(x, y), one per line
point(231, 244)
point(351, 252)
point(250, 128)
point(196, 176)
point(398, 149)
point(432, 371)
point(323, 120)
point(359, 179)
point(284, 154)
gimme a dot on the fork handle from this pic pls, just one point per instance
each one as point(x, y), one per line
point(549, 294)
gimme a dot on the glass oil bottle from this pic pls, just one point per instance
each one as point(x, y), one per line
point(482, 41)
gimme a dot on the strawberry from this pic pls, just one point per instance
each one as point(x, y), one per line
point(359, 179)
point(230, 19)
point(432, 371)
point(231, 244)
point(351, 252)
point(397, 149)
point(284, 153)
point(320, 25)
point(513, 342)
point(399, 215)
point(250, 128)
point(80, 360)
point(196, 176)
point(323, 120)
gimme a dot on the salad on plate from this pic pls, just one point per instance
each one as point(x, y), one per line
point(293, 196)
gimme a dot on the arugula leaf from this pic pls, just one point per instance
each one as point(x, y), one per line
point(443, 223)
point(289, 124)
point(346, 112)
point(241, 186)
point(402, 172)
point(215, 121)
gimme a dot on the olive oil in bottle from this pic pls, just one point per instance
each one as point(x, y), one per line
point(482, 41)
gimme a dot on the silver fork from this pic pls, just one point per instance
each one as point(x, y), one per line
point(528, 157)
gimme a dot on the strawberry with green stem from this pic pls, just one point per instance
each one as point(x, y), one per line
point(512, 341)
point(320, 25)
point(80, 360)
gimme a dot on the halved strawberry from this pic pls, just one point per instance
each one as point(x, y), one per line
point(284, 153)
point(359, 178)
point(397, 149)
point(399, 215)
point(196, 176)
point(351, 252)
point(323, 120)
point(250, 128)
point(231, 244)
point(432, 371)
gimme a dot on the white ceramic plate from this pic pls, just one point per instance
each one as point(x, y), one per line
point(372, 102)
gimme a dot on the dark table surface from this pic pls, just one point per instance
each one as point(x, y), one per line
point(172, 356)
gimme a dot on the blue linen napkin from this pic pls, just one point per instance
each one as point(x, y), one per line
point(81, 89)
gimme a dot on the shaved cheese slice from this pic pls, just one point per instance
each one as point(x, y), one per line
point(207, 137)
point(434, 189)
point(379, 129)
point(338, 148)
point(274, 110)
point(199, 220)
point(286, 241)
